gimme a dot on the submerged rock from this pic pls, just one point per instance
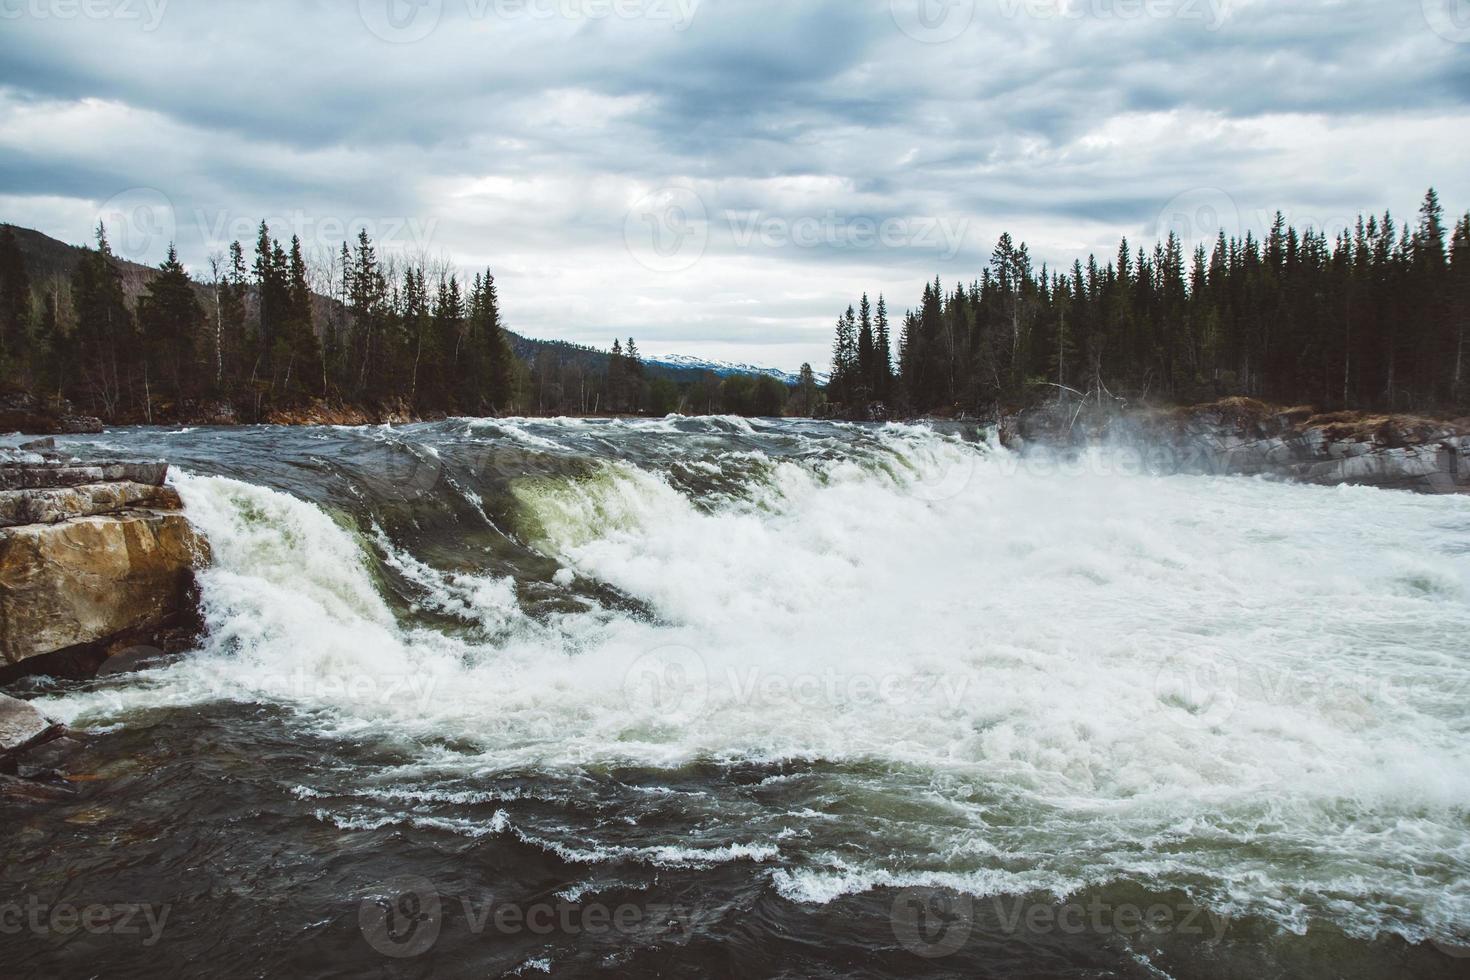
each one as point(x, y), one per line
point(22, 727)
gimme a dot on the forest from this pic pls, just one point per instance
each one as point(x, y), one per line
point(269, 335)
point(1374, 319)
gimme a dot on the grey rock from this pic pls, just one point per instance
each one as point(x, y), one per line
point(22, 726)
point(40, 474)
point(57, 504)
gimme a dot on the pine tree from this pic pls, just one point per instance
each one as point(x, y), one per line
point(866, 360)
point(367, 295)
point(104, 336)
point(616, 378)
point(15, 302)
point(299, 347)
point(170, 318)
point(882, 355)
point(633, 376)
point(844, 361)
point(806, 391)
point(1459, 309)
point(271, 300)
point(447, 330)
point(501, 359)
point(417, 329)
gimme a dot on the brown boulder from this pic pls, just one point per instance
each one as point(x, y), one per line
point(87, 579)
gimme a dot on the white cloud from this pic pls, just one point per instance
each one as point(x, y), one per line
point(520, 143)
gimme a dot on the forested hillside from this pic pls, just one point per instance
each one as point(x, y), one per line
point(267, 334)
point(1376, 318)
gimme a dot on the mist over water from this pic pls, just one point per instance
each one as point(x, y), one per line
point(778, 667)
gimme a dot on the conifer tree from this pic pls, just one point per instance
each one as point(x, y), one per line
point(866, 360)
point(301, 350)
point(104, 335)
point(170, 320)
point(616, 378)
point(882, 355)
point(15, 302)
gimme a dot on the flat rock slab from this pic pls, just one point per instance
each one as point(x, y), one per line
point(46, 475)
point(18, 507)
point(22, 726)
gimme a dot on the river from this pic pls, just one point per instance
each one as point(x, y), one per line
point(713, 697)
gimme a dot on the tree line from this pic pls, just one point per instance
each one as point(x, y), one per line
point(268, 331)
point(254, 335)
point(1375, 318)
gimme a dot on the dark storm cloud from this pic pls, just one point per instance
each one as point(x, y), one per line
point(526, 135)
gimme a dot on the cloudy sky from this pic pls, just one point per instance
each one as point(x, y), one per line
point(721, 177)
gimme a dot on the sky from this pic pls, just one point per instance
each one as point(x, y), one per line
point(722, 177)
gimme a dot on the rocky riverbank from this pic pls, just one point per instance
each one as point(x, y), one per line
point(96, 568)
point(94, 559)
point(1240, 436)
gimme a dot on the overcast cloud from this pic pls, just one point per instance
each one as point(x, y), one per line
point(721, 177)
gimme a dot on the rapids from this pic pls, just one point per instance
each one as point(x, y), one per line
point(763, 672)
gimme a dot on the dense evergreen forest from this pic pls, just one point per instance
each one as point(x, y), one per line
point(1375, 319)
point(271, 335)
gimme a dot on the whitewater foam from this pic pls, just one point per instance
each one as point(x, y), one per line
point(1034, 679)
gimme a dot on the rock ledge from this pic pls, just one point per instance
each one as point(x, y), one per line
point(94, 559)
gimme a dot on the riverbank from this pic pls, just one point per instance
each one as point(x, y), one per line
point(1244, 437)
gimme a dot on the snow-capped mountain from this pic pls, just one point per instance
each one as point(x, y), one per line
point(723, 368)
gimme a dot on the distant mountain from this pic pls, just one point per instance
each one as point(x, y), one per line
point(685, 362)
